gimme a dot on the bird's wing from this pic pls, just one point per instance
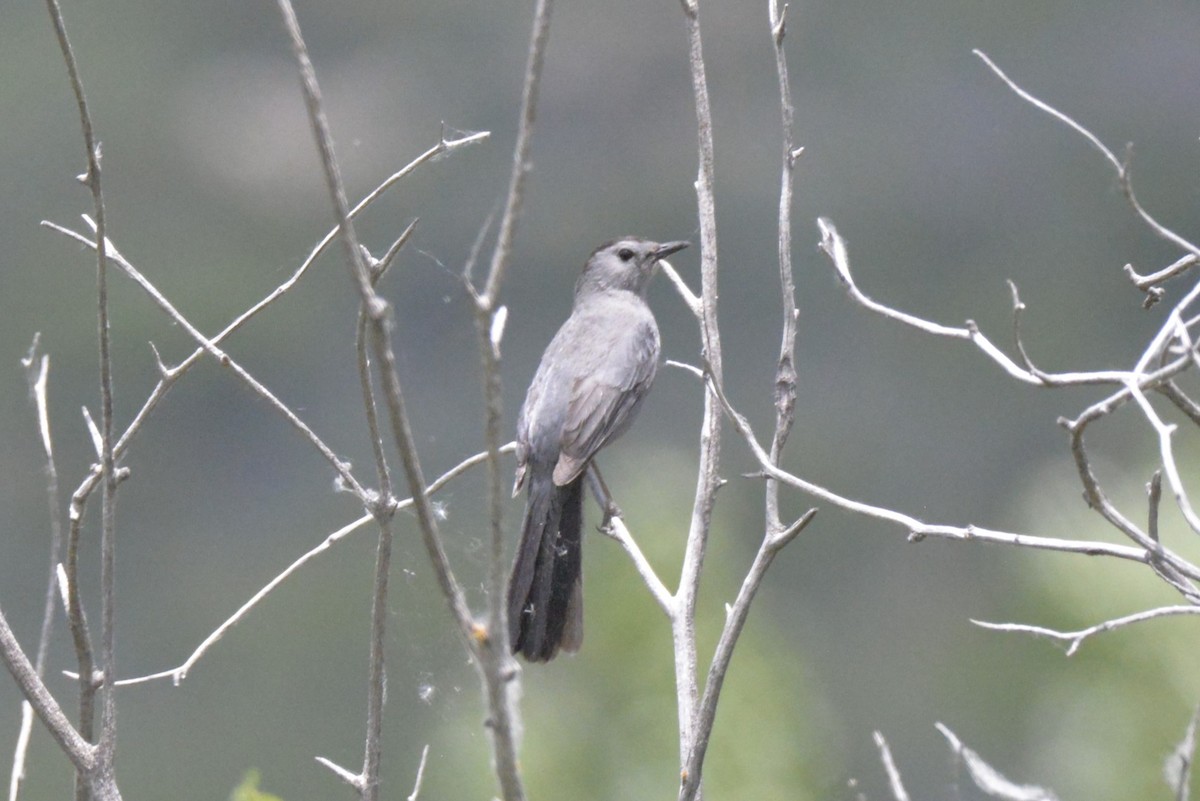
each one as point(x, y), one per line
point(604, 401)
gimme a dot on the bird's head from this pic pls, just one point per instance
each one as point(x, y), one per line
point(626, 263)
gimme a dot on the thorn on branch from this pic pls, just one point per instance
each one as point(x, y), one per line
point(385, 263)
point(355, 780)
point(788, 534)
point(94, 431)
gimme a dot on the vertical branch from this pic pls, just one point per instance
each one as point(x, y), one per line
point(37, 372)
point(81, 637)
point(776, 535)
point(91, 178)
point(379, 321)
point(497, 667)
point(383, 510)
point(785, 373)
point(683, 623)
point(520, 165)
point(489, 320)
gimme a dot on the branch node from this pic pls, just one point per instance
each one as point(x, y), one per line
point(377, 308)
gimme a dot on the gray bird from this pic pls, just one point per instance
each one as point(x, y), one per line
point(587, 390)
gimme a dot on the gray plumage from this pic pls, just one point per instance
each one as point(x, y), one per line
point(587, 390)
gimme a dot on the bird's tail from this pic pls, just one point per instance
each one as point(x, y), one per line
point(545, 593)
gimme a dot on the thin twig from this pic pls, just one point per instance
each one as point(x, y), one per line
point(1076, 638)
point(37, 373)
point(416, 791)
point(224, 359)
point(1146, 282)
point(169, 376)
point(1124, 174)
point(617, 530)
point(520, 160)
point(895, 782)
point(988, 779)
point(917, 528)
point(1177, 768)
point(475, 638)
point(178, 674)
point(1132, 385)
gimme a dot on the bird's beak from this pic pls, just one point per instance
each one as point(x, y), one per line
point(667, 248)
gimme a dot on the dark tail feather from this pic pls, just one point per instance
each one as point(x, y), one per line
point(545, 593)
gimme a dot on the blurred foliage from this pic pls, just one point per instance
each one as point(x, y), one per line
point(248, 789)
point(944, 185)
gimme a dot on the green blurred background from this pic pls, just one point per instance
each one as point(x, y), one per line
point(944, 184)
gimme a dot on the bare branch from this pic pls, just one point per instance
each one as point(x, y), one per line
point(1148, 282)
point(1121, 167)
point(988, 779)
point(735, 621)
point(416, 791)
point(707, 479)
point(223, 358)
point(81, 753)
point(690, 299)
point(353, 779)
point(178, 674)
point(520, 161)
point(617, 530)
point(37, 373)
point(1053, 112)
point(1168, 565)
point(1177, 768)
point(382, 510)
point(91, 178)
point(497, 668)
point(917, 528)
point(785, 370)
point(889, 766)
point(379, 315)
point(1076, 638)
point(835, 247)
point(169, 377)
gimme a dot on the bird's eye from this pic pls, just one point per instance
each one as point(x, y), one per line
point(625, 254)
